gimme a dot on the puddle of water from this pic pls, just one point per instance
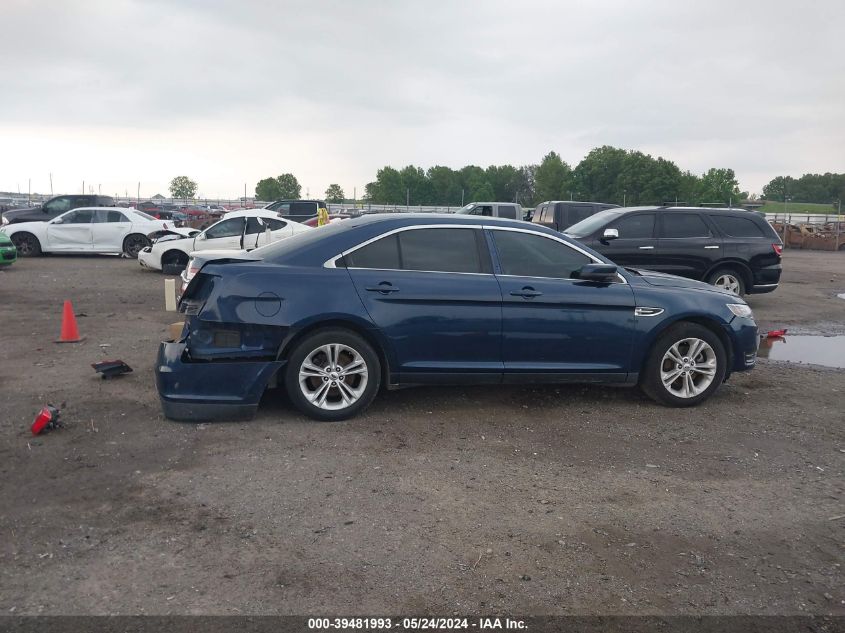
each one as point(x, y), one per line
point(828, 351)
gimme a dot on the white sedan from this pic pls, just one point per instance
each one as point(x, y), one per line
point(86, 230)
point(239, 230)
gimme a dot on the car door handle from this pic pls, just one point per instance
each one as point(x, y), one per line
point(646, 248)
point(526, 293)
point(384, 288)
point(711, 247)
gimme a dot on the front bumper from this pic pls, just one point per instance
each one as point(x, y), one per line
point(209, 390)
point(148, 260)
point(743, 335)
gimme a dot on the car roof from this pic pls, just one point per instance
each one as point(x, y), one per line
point(670, 209)
point(251, 213)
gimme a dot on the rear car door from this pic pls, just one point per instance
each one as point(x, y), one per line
point(431, 292)
point(554, 324)
point(108, 230)
point(636, 244)
point(73, 233)
point(226, 234)
point(687, 246)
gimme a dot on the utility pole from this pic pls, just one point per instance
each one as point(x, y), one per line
point(244, 192)
point(462, 197)
point(51, 184)
point(139, 191)
point(29, 190)
point(407, 197)
point(100, 189)
point(83, 187)
point(624, 197)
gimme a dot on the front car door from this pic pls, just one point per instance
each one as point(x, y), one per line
point(553, 324)
point(226, 234)
point(431, 292)
point(71, 231)
point(636, 244)
point(686, 244)
point(109, 229)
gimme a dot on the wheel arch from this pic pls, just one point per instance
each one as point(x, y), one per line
point(711, 324)
point(367, 334)
point(165, 256)
point(734, 264)
point(29, 234)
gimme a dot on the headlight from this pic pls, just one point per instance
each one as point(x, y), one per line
point(740, 309)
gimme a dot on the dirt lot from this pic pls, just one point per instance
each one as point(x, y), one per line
point(569, 500)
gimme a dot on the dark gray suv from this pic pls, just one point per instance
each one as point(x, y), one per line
point(55, 206)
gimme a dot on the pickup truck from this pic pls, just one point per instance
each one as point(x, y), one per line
point(55, 206)
point(509, 210)
point(560, 215)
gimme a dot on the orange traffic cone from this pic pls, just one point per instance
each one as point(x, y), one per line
point(70, 333)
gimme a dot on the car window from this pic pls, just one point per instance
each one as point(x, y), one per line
point(302, 208)
point(109, 216)
point(634, 226)
point(382, 254)
point(275, 225)
point(737, 227)
point(253, 226)
point(57, 205)
point(227, 228)
point(683, 225)
point(579, 212)
point(531, 255)
point(83, 201)
point(440, 250)
point(82, 216)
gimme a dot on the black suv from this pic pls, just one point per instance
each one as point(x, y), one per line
point(733, 249)
point(55, 206)
point(297, 210)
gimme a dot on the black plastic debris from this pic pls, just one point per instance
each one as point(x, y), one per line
point(111, 368)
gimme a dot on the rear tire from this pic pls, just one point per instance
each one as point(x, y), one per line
point(728, 279)
point(27, 244)
point(685, 366)
point(134, 244)
point(332, 375)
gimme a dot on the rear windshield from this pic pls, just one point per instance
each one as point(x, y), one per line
point(590, 225)
point(305, 239)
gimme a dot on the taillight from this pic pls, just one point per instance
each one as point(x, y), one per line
point(777, 248)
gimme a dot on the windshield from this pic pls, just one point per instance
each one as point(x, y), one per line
point(467, 209)
point(590, 225)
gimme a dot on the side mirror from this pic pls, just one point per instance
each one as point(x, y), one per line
point(201, 236)
point(58, 221)
point(610, 234)
point(601, 273)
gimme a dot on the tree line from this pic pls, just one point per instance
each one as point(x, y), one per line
point(606, 174)
point(820, 188)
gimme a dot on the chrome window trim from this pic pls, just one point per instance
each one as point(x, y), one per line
point(332, 261)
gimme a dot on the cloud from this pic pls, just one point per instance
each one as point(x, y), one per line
point(229, 92)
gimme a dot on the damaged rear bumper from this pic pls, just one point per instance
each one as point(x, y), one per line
point(209, 390)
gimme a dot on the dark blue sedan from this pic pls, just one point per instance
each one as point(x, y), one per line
point(398, 299)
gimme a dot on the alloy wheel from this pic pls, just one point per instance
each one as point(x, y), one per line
point(333, 376)
point(728, 282)
point(134, 245)
point(688, 367)
point(24, 244)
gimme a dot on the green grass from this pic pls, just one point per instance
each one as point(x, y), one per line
point(798, 207)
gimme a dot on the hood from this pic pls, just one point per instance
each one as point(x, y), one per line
point(654, 278)
point(5, 241)
point(172, 233)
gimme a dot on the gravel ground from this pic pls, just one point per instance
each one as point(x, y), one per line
point(547, 500)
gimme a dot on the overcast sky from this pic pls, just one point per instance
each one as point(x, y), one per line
point(114, 92)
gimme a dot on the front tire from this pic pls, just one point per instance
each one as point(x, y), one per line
point(685, 366)
point(728, 279)
point(27, 244)
point(134, 244)
point(332, 375)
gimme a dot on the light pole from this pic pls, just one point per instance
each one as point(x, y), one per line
point(624, 197)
